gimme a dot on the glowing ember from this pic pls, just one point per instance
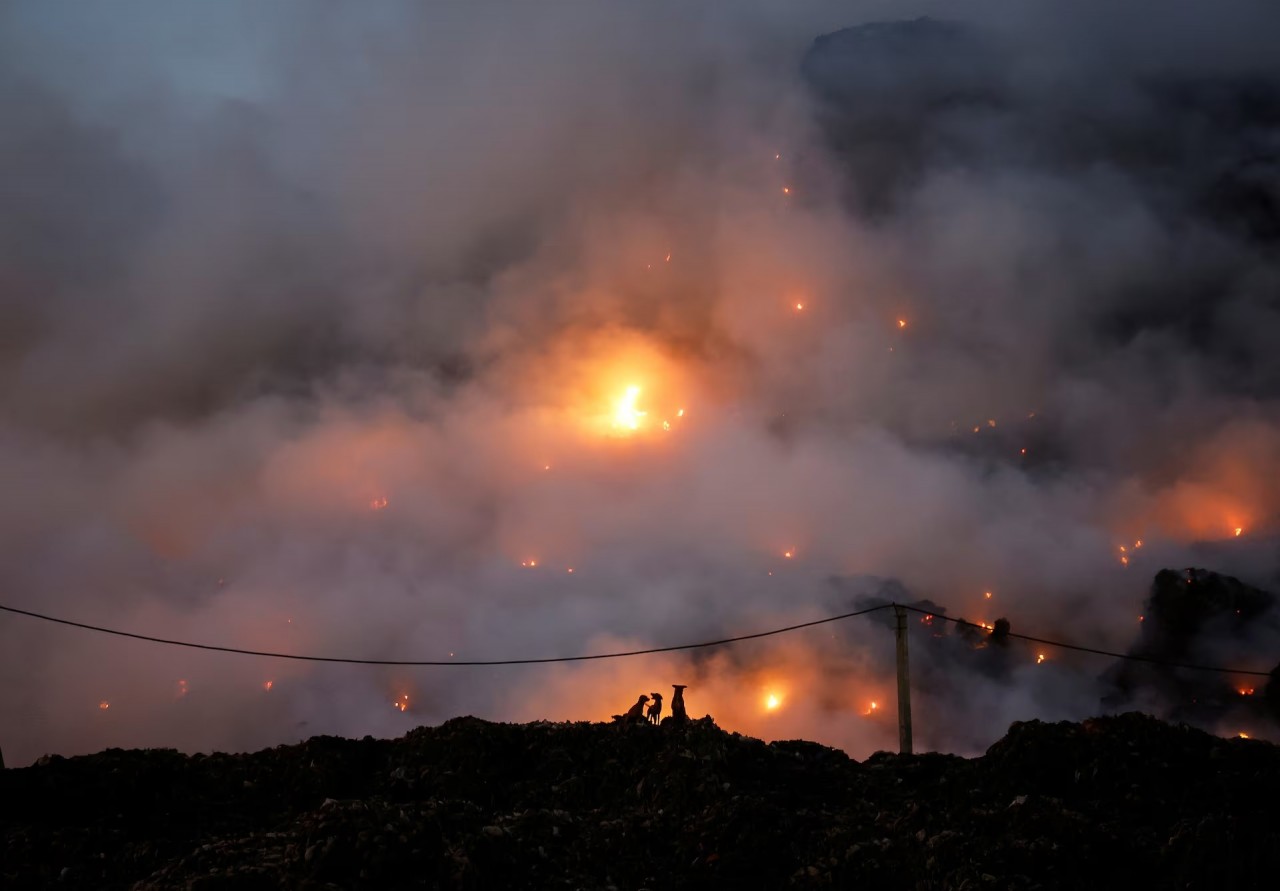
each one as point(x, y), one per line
point(378, 503)
point(668, 260)
point(104, 705)
point(771, 702)
point(786, 190)
point(1022, 451)
point(986, 594)
point(267, 685)
point(1039, 658)
point(402, 704)
point(788, 554)
point(1137, 544)
point(1124, 561)
point(902, 323)
point(626, 416)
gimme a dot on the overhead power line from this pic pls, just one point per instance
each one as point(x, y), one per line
point(622, 654)
point(550, 659)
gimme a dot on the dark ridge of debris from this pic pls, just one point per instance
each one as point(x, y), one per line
point(1124, 801)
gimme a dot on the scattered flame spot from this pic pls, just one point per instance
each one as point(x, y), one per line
point(529, 564)
point(1245, 691)
point(799, 307)
point(104, 705)
point(570, 569)
point(402, 704)
point(1022, 451)
point(786, 190)
point(872, 708)
point(1039, 658)
point(788, 554)
point(1239, 529)
point(986, 594)
point(267, 685)
point(378, 503)
point(668, 260)
point(1243, 735)
point(1137, 544)
point(182, 688)
point(680, 413)
point(991, 422)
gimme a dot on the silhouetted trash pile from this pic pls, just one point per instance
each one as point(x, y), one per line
point(1124, 802)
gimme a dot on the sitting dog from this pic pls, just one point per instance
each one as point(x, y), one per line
point(635, 714)
point(655, 710)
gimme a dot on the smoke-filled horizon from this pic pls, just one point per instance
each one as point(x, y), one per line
point(515, 331)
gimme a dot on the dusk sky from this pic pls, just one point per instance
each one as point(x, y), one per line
point(401, 330)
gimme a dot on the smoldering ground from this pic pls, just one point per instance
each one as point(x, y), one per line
point(316, 322)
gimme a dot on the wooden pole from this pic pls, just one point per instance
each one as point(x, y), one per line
point(904, 683)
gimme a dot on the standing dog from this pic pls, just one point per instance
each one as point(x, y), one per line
point(655, 710)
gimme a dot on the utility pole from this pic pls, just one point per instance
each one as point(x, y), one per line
point(904, 683)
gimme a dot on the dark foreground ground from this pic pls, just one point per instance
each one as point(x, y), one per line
point(1120, 802)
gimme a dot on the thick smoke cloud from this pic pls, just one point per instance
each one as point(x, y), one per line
point(313, 320)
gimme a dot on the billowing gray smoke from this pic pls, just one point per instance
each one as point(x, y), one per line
point(317, 325)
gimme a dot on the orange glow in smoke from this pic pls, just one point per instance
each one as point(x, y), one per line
point(772, 701)
point(1239, 529)
point(872, 708)
point(1245, 691)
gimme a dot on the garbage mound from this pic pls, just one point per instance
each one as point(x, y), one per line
point(1125, 801)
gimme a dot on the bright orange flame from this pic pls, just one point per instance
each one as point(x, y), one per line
point(1244, 735)
point(799, 306)
point(1239, 529)
point(902, 323)
point(402, 703)
point(1245, 691)
point(1039, 658)
point(872, 708)
point(786, 190)
point(788, 554)
point(986, 594)
point(772, 701)
point(625, 414)
point(529, 564)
